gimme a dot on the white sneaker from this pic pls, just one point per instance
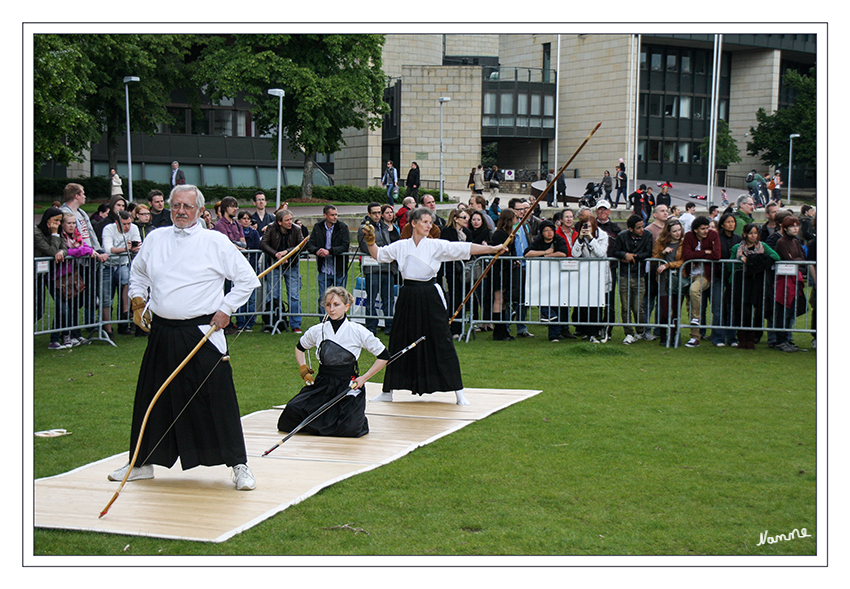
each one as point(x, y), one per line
point(243, 477)
point(139, 473)
point(629, 339)
point(694, 321)
point(388, 397)
point(692, 343)
point(649, 336)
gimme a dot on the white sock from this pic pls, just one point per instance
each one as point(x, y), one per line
point(461, 400)
point(387, 396)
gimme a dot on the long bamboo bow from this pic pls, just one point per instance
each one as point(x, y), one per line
point(522, 221)
point(171, 377)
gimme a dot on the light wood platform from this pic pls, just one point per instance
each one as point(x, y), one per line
point(201, 503)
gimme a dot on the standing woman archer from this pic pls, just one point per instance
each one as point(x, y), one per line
point(421, 309)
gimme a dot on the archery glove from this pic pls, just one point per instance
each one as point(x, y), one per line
point(141, 316)
point(306, 373)
point(368, 234)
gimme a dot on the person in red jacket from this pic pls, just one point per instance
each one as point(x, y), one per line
point(700, 243)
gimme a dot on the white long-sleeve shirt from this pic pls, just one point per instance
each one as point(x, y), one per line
point(422, 261)
point(112, 237)
point(184, 271)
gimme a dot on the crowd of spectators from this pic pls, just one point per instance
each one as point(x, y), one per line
point(660, 258)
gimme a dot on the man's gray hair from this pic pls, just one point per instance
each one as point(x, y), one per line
point(199, 197)
point(741, 200)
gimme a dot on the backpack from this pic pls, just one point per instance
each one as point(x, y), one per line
point(751, 176)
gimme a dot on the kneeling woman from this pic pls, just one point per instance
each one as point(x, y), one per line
point(421, 309)
point(338, 344)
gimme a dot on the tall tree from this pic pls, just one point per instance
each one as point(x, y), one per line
point(62, 126)
point(157, 60)
point(725, 149)
point(771, 138)
point(332, 82)
point(79, 89)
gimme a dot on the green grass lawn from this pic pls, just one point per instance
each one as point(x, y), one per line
point(628, 450)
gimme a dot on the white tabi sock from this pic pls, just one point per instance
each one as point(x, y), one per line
point(461, 400)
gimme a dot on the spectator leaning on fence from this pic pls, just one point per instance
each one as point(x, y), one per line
point(549, 245)
point(700, 243)
point(789, 287)
point(668, 248)
point(592, 242)
point(632, 247)
point(122, 240)
point(279, 239)
point(721, 293)
point(48, 243)
point(751, 282)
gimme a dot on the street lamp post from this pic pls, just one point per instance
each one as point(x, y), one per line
point(442, 99)
point(791, 138)
point(279, 93)
point(127, 81)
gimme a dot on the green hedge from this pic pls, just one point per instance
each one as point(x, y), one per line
point(98, 188)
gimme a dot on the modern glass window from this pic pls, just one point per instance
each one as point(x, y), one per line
point(506, 110)
point(684, 152)
point(641, 150)
point(699, 107)
point(549, 111)
point(700, 62)
point(655, 62)
point(671, 106)
point(200, 123)
point(672, 62)
point(643, 64)
point(222, 122)
point(686, 62)
point(684, 107)
point(216, 176)
point(655, 105)
point(696, 157)
point(247, 176)
point(670, 151)
point(268, 178)
point(489, 106)
point(654, 150)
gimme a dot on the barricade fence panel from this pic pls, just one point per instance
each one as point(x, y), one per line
point(591, 296)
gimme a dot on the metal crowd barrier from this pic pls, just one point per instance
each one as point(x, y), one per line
point(588, 295)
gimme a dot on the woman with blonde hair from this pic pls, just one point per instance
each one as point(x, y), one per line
point(338, 343)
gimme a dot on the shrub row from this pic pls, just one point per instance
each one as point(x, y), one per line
point(98, 188)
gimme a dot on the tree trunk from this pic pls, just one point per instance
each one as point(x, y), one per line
point(307, 179)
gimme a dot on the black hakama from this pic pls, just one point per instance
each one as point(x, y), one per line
point(433, 364)
point(209, 431)
point(345, 419)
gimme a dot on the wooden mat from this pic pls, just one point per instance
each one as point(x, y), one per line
point(201, 503)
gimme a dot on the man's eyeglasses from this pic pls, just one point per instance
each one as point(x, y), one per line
point(179, 206)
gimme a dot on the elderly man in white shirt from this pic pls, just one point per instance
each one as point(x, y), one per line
point(180, 270)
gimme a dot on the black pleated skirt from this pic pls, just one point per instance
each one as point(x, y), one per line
point(209, 431)
point(432, 365)
point(346, 419)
